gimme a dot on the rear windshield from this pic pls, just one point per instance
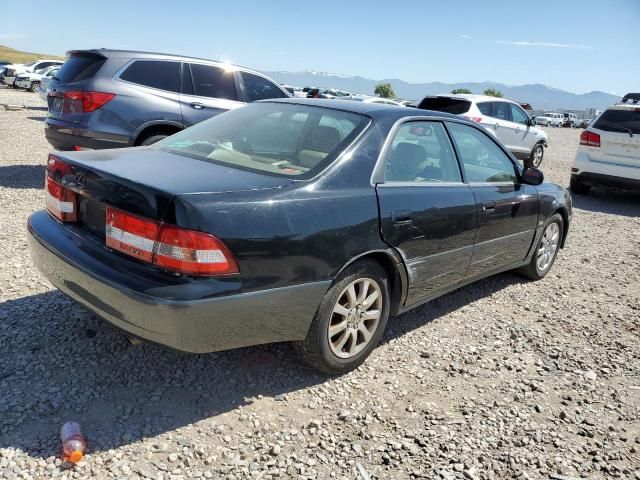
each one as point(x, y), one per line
point(619, 121)
point(275, 138)
point(79, 67)
point(445, 104)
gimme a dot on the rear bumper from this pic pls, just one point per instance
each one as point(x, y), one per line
point(592, 179)
point(161, 314)
point(62, 136)
point(8, 80)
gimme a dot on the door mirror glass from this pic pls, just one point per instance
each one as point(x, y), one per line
point(532, 176)
point(532, 122)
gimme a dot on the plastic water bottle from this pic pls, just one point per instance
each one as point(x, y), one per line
point(73, 442)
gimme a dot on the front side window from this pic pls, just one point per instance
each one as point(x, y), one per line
point(421, 152)
point(482, 159)
point(274, 138)
point(258, 88)
point(158, 74)
point(518, 115)
point(213, 82)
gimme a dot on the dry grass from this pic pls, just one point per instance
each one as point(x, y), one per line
point(16, 56)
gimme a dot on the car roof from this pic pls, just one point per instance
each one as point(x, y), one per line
point(473, 97)
point(373, 110)
point(111, 53)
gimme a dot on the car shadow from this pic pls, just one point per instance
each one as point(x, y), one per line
point(22, 176)
point(611, 201)
point(38, 119)
point(61, 363)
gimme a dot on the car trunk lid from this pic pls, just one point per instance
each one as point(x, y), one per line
point(143, 182)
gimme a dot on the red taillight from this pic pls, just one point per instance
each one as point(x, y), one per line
point(129, 234)
point(60, 201)
point(185, 251)
point(84, 102)
point(192, 252)
point(589, 139)
point(474, 119)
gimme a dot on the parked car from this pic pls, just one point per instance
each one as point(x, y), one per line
point(550, 119)
point(113, 98)
point(584, 122)
point(32, 81)
point(3, 64)
point(295, 92)
point(609, 152)
point(369, 99)
point(292, 220)
point(501, 117)
point(10, 71)
point(570, 120)
point(43, 89)
point(329, 93)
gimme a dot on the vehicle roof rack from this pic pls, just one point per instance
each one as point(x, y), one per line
point(633, 97)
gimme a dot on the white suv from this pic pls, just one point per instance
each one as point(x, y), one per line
point(550, 119)
point(503, 118)
point(12, 71)
point(609, 152)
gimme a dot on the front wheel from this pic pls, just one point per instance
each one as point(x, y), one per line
point(35, 86)
point(350, 320)
point(546, 250)
point(535, 159)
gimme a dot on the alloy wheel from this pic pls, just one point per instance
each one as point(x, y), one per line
point(355, 317)
point(537, 156)
point(548, 246)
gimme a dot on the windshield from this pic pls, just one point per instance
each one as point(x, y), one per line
point(619, 121)
point(276, 138)
point(30, 64)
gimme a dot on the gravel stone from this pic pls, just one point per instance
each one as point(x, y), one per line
point(503, 378)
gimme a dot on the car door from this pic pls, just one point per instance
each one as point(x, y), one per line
point(497, 120)
point(426, 211)
point(507, 209)
point(524, 136)
point(205, 91)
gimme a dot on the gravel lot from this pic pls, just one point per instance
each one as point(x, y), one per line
point(501, 379)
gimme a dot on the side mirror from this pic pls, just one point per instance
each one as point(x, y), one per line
point(532, 122)
point(532, 176)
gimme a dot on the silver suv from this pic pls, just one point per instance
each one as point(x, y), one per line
point(503, 118)
point(113, 98)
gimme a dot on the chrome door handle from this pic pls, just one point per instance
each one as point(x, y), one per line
point(489, 206)
point(197, 106)
point(401, 217)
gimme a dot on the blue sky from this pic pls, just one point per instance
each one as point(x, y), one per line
point(573, 45)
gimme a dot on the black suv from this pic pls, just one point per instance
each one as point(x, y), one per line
point(113, 98)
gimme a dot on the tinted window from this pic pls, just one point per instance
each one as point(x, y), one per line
point(81, 67)
point(421, 152)
point(619, 121)
point(518, 115)
point(501, 111)
point(214, 82)
point(258, 88)
point(483, 160)
point(486, 108)
point(154, 74)
point(278, 139)
point(445, 104)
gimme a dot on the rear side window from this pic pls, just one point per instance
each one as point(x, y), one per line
point(78, 68)
point(456, 106)
point(155, 74)
point(213, 82)
point(258, 88)
point(485, 108)
point(619, 121)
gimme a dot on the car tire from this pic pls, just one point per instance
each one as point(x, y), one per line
point(577, 187)
point(151, 139)
point(546, 249)
point(536, 156)
point(340, 352)
point(34, 86)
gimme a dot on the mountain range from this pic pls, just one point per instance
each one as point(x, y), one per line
point(540, 97)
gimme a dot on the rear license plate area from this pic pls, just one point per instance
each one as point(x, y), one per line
point(92, 215)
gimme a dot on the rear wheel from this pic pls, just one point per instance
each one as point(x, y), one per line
point(151, 139)
point(577, 187)
point(350, 320)
point(546, 250)
point(35, 86)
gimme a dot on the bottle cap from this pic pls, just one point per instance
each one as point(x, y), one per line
point(75, 456)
